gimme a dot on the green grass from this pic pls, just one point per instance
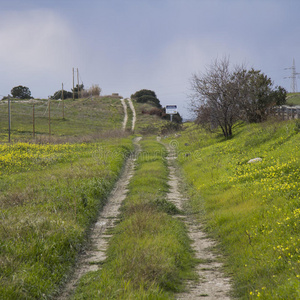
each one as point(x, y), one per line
point(50, 196)
point(293, 99)
point(147, 124)
point(52, 187)
point(251, 209)
point(149, 254)
point(82, 117)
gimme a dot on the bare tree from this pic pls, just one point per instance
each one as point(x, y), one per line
point(223, 96)
point(216, 96)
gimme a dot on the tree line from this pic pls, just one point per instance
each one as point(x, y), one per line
point(223, 96)
point(23, 92)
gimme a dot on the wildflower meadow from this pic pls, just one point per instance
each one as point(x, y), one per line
point(252, 209)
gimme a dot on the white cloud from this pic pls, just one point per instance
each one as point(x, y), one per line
point(34, 40)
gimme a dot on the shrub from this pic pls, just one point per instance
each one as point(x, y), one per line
point(156, 111)
point(94, 90)
point(176, 118)
point(146, 96)
point(58, 95)
point(21, 92)
point(170, 127)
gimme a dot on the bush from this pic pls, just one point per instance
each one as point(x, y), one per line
point(21, 92)
point(170, 127)
point(58, 95)
point(156, 111)
point(143, 92)
point(176, 118)
point(146, 96)
point(95, 90)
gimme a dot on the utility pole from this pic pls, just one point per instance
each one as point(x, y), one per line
point(9, 118)
point(293, 77)
point(73, 86)
point(78, 82)
point(49, 117)
point(33, 121)
point(62, 98)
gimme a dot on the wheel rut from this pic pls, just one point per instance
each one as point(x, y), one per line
point(212, 283)
point(95, 253)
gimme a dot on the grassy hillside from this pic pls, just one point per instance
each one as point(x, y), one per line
point(252, 209)
point(82, 117)
point(53, 188)
point(50, 195)
point(293, 99)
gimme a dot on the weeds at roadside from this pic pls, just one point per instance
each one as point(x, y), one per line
point(51, 194)
point(251, 209)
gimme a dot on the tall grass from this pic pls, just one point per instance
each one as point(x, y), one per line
point(149, 253)
point(252, 209)
point(50, 196)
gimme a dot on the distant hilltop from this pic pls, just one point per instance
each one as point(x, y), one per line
point(113, 95)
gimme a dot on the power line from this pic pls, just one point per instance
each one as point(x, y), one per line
point(293, 77)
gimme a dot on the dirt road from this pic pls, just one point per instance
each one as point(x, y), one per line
point(125, 114)
point(213, 284)
point(95, 252)
point(125, 120)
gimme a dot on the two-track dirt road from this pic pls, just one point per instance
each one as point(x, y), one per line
point(212, 284)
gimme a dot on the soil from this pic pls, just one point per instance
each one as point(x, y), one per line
point(125, 114)
point(94, 254)
point(133, 121)
point(133, 114)
point(91, 259)
point(212, 284)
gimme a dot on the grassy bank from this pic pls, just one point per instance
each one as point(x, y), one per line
point(149, 254)
point(293, 99)
point(82, 117)
point(50, 195)
point(252, 209)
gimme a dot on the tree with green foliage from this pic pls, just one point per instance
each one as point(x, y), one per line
point(75, 90)
point(59, 95)
point(21, 92)
point(146, 96)
point(257, 95)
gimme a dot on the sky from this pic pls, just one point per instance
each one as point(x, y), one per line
point(128, 45)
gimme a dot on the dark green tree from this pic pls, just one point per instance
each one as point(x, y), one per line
point(258, 95)
point(58, 95)
point(146, 96)
point(21, 92)
point(75, 90)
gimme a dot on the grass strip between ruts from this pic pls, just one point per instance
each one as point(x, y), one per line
point(149, 253)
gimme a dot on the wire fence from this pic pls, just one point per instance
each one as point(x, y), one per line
point(287, 112)
point(46, 117)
